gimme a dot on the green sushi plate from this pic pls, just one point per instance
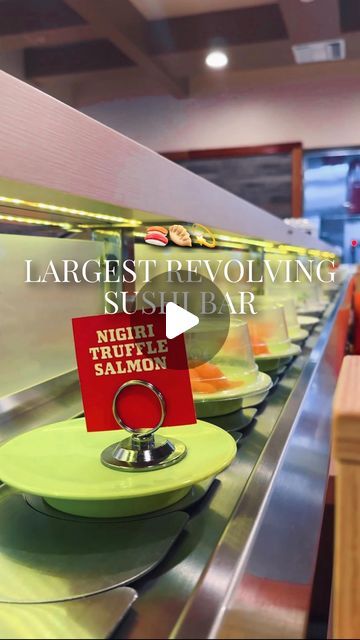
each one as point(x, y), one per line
point(224, 402)
point(269, 362)
point(308, 322)
point(298, 335)
point(61, 463)
point(316, 310)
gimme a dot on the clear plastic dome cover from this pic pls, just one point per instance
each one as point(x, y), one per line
point(289, 306)
point(268, 329)
point(233, 367)
point(309, 295)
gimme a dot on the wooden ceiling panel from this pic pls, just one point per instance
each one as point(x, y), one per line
point(242, 26)
point(160, 9)
point(249, 56)
point(21, 16)
point(352, 45)
point(89, 50)
point(125, 27)
point(349, 15)
point(115, 84)
point(73, 58)
point(309, 22)
point(47, 38)
point(82, 88)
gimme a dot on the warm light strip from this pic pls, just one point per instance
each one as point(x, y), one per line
point(106, 233)
point(55, 209)
point(45, 223)
point(311, 252)
point(257, 243)
point(134, 223)
point(248, 241)
point(118, 225)
point(267, 244)
point(291, 247)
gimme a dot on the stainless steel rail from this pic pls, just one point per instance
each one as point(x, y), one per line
point(245, 565)
point(51, 401)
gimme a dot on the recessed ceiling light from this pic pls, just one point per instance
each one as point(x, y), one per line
point(307, 1)
point(216, 59)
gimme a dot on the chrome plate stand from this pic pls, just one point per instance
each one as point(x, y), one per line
point(142, 451)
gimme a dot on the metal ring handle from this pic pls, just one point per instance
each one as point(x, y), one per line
point(147, 385)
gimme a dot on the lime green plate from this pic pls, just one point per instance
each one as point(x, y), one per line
point(61, 463)
point(308, 322)
point(269, 362)
point(217, 404)
point(298, 335)
point(316, 310)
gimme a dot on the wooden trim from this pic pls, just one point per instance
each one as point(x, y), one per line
point(295, 148)
point(258, 150)
point(177, 156)
point(297, 182)
point(346, 445)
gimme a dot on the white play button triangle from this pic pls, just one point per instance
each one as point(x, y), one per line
point(178, 320)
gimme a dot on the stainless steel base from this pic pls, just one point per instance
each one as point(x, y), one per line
point(234, 422)
point(94, 617)
point(45, 559)
point(124, 457)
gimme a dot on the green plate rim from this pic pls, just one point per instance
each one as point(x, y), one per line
point(263, 379)
point(310, 321)
point(131, 493)
point(294, 350)
point(300, 334)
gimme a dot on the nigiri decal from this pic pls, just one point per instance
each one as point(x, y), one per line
point(179, 235)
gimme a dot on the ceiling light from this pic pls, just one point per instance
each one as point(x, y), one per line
point(216, 59)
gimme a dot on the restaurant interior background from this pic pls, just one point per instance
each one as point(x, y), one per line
point(274, 119)
point(261, 105)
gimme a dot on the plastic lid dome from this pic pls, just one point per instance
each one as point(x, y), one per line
point(289, 308)
point(309, 295)
point(268, 329)
point(233, 367)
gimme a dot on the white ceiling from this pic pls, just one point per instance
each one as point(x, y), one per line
point(154, 9)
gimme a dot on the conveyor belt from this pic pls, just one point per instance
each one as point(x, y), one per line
point(251, 528)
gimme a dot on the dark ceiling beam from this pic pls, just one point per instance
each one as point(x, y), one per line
point(350, 15)
point(313, 21)
point(228, 28)
point(126, 29)
point(39, 23)
point(81, 57)
point(23, 16)
point(46, 37)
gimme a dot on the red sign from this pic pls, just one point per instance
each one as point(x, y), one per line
point(114, 348)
